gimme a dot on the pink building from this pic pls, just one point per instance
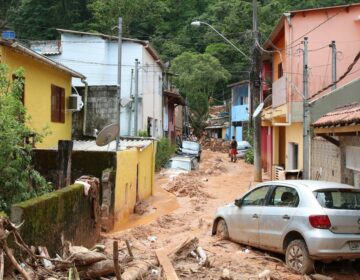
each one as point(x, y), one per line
point(282, 119)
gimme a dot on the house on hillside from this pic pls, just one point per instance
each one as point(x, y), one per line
point(218, 122)
point(47, 87)
point(96, 55)
point(173, 109)
point(335, 118)
point(240, 96)
point(282, 117)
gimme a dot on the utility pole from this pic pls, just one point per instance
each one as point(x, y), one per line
point(119, 79)
point(136, 97)
point(333, 64)
point(255, 84)
point(306, 124)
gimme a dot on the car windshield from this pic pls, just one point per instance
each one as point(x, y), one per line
point(345, 199)
point(190, 145)
point(243, 145)
point(178, 164)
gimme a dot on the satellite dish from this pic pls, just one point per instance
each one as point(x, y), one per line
point(258, 110)
point(107, 134)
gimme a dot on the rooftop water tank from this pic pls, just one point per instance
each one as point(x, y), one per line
point(8, 35)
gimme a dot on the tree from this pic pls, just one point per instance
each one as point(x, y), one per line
point(18, 180)
point(197, 77)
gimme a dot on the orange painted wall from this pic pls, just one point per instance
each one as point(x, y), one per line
point(342, 28)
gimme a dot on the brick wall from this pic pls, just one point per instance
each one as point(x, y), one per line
point(325, 160)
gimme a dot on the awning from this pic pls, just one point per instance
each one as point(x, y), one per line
point(344, 120)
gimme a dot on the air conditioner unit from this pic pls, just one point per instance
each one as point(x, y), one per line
point(75, 103)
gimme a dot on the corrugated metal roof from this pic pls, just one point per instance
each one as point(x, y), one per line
point(124, 145)
point(46, 47)
point(346, 115)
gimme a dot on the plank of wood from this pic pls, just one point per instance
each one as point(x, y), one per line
point(166, 264)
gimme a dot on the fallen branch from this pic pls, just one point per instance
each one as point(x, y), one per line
point(14, 262)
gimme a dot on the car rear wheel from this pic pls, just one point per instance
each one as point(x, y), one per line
point(297, 257)
point(222, 230)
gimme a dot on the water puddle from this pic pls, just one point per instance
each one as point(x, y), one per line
point(161, 203)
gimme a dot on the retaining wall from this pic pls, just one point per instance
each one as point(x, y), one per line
point(66, 212)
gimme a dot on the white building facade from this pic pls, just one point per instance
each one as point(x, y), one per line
point(96, 56)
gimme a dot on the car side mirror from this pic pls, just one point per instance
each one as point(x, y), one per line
point(238, 202)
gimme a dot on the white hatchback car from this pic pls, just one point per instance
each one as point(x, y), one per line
point(305, 220)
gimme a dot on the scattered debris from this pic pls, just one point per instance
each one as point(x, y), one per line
point(141, 207)
point(152, 238)
point(265, 275)
point(226, 274)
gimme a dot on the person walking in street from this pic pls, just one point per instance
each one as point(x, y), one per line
point(233, 149)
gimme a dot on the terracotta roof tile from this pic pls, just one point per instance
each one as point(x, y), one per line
point(349, 114)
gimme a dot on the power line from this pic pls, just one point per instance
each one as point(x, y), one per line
point(350, 67)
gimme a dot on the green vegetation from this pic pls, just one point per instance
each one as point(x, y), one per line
point(198, 77)
point(164, 150)
point(142, 133)
point(18, 180)
point(249, 155)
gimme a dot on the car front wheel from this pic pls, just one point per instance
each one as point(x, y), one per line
point(222, 230)
point(297, 257)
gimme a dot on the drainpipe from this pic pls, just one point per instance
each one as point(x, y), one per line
point(85, 105)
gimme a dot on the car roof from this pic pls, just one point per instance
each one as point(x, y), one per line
point(313, 185)
point(182, 158)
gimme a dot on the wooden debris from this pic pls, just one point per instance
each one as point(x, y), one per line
point(1, 264)
point(98, 269)
point(137, 269)
point(129, 248)
point(166, 264)
point(86, 258)
point(116, 260)
point(184, 249)
point(321, 277)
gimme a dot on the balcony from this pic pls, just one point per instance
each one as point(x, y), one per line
point(279, 92)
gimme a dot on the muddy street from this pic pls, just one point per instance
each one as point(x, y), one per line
point(182, 208)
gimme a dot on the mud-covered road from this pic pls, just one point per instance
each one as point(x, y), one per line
point(183, 207)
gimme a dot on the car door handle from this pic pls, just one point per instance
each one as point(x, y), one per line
point(255, 216)
point(286, 217)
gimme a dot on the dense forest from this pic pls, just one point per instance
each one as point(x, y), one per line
point(166, 23)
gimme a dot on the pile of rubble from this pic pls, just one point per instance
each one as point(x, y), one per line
point(215, 145)
point(184, 185)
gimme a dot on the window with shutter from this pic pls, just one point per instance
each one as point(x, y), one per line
point(57, 104)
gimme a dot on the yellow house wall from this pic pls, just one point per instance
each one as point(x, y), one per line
point(294, 133)
point(223, 132)
point(129, 163)
point(38, 80)
point(275, 145)
point(146, 175)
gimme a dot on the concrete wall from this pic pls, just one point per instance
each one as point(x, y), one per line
point(134, 179)
point(151, 91)
point(82, 163)
point(325, 160)
point(38, 80)
point(66, 212)
point(101, 110)
point(348, 175)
